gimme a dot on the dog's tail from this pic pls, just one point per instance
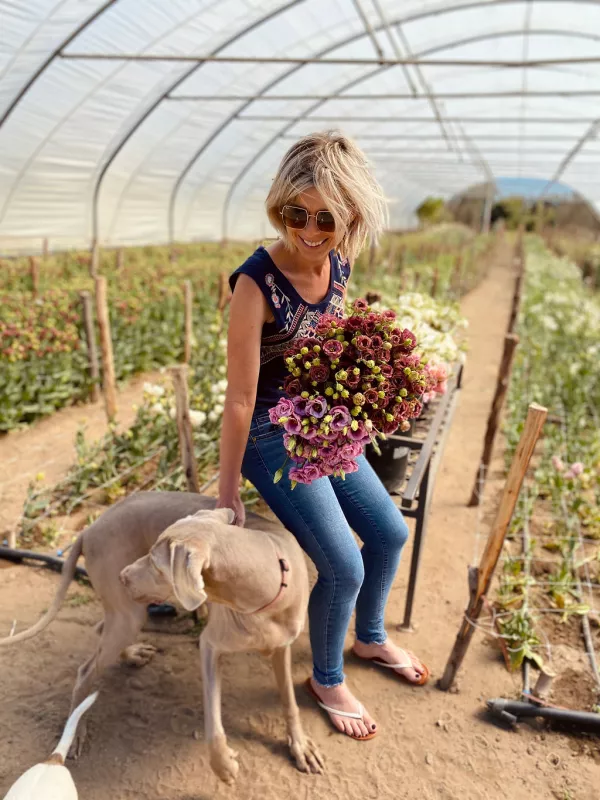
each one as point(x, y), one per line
point(66, 740)
point(68, 571)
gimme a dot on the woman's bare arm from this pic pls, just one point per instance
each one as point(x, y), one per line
point(248, 311)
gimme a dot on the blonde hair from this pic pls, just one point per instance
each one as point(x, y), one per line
point(337, 168)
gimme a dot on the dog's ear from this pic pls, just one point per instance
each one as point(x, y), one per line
point(186, 568)
point(224, 515)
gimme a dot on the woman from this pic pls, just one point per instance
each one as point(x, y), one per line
point(324, 203)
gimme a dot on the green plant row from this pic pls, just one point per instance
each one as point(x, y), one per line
point(556, 365)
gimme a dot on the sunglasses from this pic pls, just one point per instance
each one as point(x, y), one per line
point(297, 218)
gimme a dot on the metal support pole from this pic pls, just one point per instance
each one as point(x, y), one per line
point(415, 562)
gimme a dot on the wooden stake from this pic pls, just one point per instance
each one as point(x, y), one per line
point(516, 303)
point(90, 335)
point(187, 342)
point(511, 341)
point(34, 271)
point(184, 426)
point(481, 578)
point(108, 366)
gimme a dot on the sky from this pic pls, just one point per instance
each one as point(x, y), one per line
point(529, 187)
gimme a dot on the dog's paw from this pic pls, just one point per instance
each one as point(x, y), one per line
point(306, 755)
point(138, 655)
point(223, 761)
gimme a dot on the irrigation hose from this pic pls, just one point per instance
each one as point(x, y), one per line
point(510, 711)
point(52, 562)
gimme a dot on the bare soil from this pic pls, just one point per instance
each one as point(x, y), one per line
point(146, 734)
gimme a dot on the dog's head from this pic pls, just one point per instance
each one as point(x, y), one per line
point(174, 565)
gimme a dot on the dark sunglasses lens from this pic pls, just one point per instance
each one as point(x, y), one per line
point(294, 217)
point(325, 222)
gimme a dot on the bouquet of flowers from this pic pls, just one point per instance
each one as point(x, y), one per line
point(355, 379)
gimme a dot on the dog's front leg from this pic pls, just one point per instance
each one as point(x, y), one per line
point(223, 759)
point(303, 749)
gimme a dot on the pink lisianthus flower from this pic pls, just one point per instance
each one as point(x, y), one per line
point(284, 408)
point(574, 471)
point(309, 433)
point(340, 418)
point(558, 464)
point(349, 467)
point(351, 450)
point(361, 434)
point(306, 474)
point(333, 348)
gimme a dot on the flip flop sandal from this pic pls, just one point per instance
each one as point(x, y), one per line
point(350, 714)
point(381, 663)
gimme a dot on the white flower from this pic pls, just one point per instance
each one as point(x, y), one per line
point(153, 389)
point(222, 385)
point(213, 415)
point(157, 408)
point(220, 399)
point(197, 418)
point(218, 409)
point(222, 369)
point(172, 412)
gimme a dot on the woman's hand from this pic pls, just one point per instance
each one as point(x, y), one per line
point(236, 505)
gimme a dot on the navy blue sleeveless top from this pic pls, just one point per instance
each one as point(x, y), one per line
point(294, 317)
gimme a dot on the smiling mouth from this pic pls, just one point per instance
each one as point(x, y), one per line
point(312, 244)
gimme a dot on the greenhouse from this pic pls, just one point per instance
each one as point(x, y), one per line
point(131, 123)
point(299, 393)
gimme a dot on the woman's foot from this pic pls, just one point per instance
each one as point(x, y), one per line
point(390, 653)
point(341, 698)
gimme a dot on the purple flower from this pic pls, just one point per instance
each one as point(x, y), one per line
point(300, 405)
point(309, 433)
point(316, 407)
point(360, 434)
point(340, 418)
point(349, 467)
point(284, 408)
point(306, 474)
point(292, 425)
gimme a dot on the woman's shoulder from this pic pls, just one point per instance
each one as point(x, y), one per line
point(255, 266)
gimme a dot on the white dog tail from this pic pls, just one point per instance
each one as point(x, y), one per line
point(68, 571)
point(62, 748)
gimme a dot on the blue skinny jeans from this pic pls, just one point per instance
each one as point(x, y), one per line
point(320, 516)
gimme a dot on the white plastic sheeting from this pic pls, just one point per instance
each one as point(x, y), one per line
point(104, 147)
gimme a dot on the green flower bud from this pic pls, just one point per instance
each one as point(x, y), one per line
point(387, 345)
point(307, 365)
point(304, 351)
point(375, 405)
point(327, 418)
point(278, 476)
point(297, 372)
point(314, 420)
point(305, 395)
point(341, 375)
point(354, 425)
point(317, 348)
point(376, 370)
point(338, 387)
point(370, 363)
point(403, 392)
point(345, 393)
point(329, 391)
point(335, 396)
point(389, 417)
point(359, 399)
point(291, 444)
point(356, 371)
point(316, 362)
point(355, 411)
point(381, 395)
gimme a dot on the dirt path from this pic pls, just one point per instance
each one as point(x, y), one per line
point(47, 447)
point(432, 745)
